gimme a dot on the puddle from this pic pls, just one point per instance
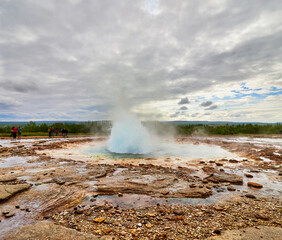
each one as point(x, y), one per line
point(269, 187)
point(42, 187)
point(143, 201)
point(262, 142)
point(265, 159)
point(16, 161)
point(21, 217)
point(119, 170)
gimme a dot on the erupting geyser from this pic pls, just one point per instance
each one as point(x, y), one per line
point(128, 135)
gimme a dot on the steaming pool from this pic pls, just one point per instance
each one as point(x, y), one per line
point(165, 149)
point(165, 153)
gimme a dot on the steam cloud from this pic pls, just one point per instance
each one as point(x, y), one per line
point(128, 135)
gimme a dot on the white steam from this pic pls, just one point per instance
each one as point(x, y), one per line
point(128, 135)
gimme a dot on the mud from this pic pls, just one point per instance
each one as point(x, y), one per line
point(61, 182)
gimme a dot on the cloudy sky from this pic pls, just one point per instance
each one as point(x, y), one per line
point(174, 60)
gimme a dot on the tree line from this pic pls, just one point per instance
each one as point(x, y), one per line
point(104, 127)
point(101, 127)
point(230, 129)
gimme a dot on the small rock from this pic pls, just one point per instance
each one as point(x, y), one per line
point(178, 212)
point(249, 175)
point(219, 164)
point(150, 214)
point(99, 220)
point(10, 214)
point(253, 184)
point(120, 194)
point(250, 196)
point(139, 225)
point(217, 231)
point(165, 192)
point(231, 188)
point(148, 225)
point(218, 208)
point(261, 216)
point(233, 161)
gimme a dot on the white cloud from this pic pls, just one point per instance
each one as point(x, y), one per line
point(73, 56)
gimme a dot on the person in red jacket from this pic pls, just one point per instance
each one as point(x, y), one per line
point(15, 130)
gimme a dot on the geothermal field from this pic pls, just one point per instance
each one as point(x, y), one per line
point(132, 186)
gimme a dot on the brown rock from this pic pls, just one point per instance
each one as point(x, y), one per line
point(250, 196)
point(178, 212)
point(226, 177)
point(99, 220)
point(48, 230)
point(261, 216)
point(231, 188)
point(249, 175)
point(233, 161)
point(253, 184)
point(10, 214)
point(7, 178)
point(7, 191)
point(165, 192)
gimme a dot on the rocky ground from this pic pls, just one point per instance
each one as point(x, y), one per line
point(46, 196)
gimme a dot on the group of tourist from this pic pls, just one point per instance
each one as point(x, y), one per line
point(52, 131)
point(16, 131)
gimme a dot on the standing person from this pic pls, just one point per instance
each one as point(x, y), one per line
point(56, 131)
point(15, 130)
point(49, 132)
point(66, 132)
point(20, 132)
point(52, 131)
point(11, 135)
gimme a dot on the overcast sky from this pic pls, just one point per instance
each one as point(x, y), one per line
point(175, 60)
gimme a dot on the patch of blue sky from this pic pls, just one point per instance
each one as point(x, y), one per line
point(246, 89)
point(273, 92)
point(6, 116)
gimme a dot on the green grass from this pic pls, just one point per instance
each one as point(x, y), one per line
point(33, 134)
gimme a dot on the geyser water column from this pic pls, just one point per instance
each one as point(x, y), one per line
point(128, 135)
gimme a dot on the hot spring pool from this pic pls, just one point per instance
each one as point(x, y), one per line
point(165, 149)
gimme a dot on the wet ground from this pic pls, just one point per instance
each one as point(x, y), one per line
point(76, 183)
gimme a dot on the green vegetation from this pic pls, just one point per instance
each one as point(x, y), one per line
point(85, 128)
point(103, 128)
point(229, 129)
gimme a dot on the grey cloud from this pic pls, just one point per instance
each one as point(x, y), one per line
point(194, 115)
point(206, 103)
point(61, 55)
point(211, 107)
point(183, 108)
point(19, 87)
point(183, 101)
point(174, 115)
